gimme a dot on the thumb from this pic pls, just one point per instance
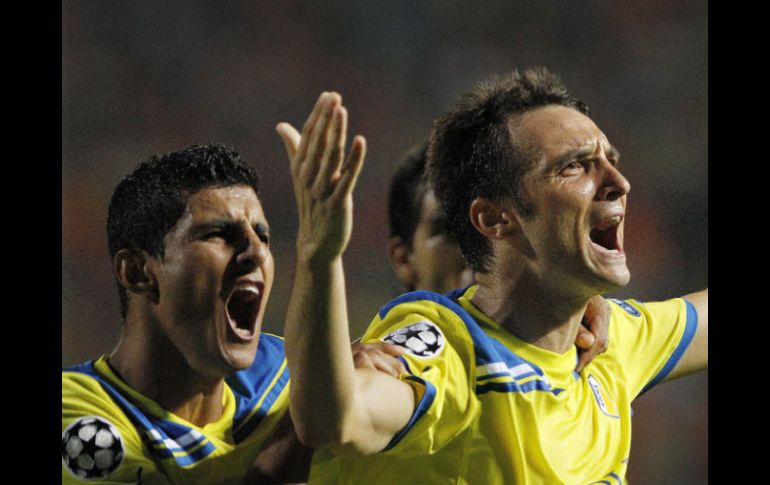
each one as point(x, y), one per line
point(290, 137)
point(585, 339)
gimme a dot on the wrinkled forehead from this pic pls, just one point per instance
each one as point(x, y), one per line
point(552, 131)
point(232, 202)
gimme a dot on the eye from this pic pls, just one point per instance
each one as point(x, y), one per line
point(214, 234)
point(263, 233)
point(572, 168)
point(222, 234)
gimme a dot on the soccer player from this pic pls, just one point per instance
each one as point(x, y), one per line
point(534, 195)
point(426, 256)
point(194, 390)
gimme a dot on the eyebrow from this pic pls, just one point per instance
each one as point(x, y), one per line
point(587, 151)
point(259, 227)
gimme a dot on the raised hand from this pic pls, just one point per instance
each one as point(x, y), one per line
point(323, 179)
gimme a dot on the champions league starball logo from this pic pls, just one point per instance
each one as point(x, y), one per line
point(91, 448)
point(421, 339)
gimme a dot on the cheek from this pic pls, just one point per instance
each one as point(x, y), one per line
point(268, 271)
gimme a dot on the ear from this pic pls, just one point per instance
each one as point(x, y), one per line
point(134, 273)
point(492, 219)
point(400, 258)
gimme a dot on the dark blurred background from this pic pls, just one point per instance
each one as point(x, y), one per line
point(142, 78)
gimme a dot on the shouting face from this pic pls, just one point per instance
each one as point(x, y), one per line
point(578, 200)
point(214, 280)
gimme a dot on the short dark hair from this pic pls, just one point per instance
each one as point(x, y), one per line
point(149, 201)
point(407, 190)
point(471, 153)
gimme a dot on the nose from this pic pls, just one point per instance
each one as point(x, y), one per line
point(614, 184)
point(252, 252)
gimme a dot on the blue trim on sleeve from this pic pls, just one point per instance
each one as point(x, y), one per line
point(689, 332)
point(421, 408)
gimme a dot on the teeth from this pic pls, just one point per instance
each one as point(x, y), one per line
point(250, 289)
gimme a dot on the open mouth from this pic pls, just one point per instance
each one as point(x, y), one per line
point(242, 309)
point(606, 235)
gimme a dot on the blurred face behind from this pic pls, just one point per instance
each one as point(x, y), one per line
point(579, 200)
point(214, 280)
point(435, 255)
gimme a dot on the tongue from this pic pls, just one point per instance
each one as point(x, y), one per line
point(242, 308)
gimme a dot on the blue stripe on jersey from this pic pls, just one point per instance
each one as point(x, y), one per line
point(251, 384)
point(421, 408)
point(487, 350)
point(690, 327)
point(166, 429)
point(607, 482)
point(247, 426)
point(535, 385)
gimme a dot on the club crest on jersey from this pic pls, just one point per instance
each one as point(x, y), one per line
point(421, 339)
point(626, 306)
point(91, 448)
point(602, 398)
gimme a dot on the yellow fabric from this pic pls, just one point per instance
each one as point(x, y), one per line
point(529, 433)
point(83, 395)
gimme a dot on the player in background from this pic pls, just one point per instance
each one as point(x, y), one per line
point(534, 195)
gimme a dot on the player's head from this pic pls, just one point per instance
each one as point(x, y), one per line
point(495, 164)
point(189, 242)
point(423, 253)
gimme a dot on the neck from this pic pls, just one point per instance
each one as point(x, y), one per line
point(543, 316)
point(147, 362)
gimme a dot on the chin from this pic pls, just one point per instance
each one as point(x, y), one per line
point(239, 359)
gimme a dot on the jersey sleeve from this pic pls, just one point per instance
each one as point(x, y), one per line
point(439, 361)
point(99, 443)
point(651, 338)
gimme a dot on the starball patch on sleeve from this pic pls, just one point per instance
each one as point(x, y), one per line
point(91, 448)
point(422, 339)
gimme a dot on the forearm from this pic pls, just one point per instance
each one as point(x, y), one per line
point(318, 353)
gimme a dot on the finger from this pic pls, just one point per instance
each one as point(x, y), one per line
point(390, 349)
point(389, 365)
point(310, 123)
point(352, 167)
point(599, 330)
point(291, 139)
point(584, 358)
point(362, 361)
point(317, 133)
point(318, 137)
point(335, 148)
point(584, 339)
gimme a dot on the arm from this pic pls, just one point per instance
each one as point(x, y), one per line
point(283, 458)
point(353, 411)
point(696, 357)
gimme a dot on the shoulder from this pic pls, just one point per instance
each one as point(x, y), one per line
point(424, 323)
point(632, 314)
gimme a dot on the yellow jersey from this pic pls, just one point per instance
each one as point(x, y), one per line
point(113, 434)
point(495, 410)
